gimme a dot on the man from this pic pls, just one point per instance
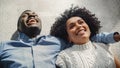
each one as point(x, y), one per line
point(32, 51)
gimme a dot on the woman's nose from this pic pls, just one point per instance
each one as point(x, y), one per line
point(78, 25)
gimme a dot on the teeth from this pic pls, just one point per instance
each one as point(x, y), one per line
point(80, 32)
point(31, 21)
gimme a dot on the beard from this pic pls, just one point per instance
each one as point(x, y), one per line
point(32, 31)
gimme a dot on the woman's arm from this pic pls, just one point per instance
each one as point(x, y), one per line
point(106, 38)
point(60, 62)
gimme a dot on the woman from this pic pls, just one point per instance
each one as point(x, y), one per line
point(77, 26)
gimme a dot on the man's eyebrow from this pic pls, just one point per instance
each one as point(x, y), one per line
point(29, 13)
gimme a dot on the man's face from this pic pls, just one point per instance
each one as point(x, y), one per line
point(29, 23)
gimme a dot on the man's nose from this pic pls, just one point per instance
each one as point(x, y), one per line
point(31, 16)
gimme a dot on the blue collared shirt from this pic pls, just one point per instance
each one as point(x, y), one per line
point(30, 53)
point(39, 52)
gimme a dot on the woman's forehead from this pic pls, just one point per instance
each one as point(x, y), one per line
point(74, 19)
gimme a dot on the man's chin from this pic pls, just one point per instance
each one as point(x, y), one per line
point(32, 31)
point(33, 25)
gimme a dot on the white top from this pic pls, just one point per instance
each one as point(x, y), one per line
point(88, 55)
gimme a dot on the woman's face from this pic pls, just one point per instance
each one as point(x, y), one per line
point(78, 31)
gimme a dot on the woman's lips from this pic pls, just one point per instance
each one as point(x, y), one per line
point(80, 32)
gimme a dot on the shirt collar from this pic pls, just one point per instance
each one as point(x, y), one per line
point(24, 38)
point(82, 47)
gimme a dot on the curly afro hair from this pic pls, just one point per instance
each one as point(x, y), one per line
point(59, 27)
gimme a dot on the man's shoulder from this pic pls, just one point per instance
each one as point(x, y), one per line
point(10, 43)
point(7, 44)
point(49, 39)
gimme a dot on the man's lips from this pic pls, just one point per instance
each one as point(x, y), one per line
point(31, 21)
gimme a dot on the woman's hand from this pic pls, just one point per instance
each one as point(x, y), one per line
point(116, 36)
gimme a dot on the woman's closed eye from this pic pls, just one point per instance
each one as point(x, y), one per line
point(80, 22)
point(71, 25)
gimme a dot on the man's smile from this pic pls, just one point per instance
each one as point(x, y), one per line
point(31, 21)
